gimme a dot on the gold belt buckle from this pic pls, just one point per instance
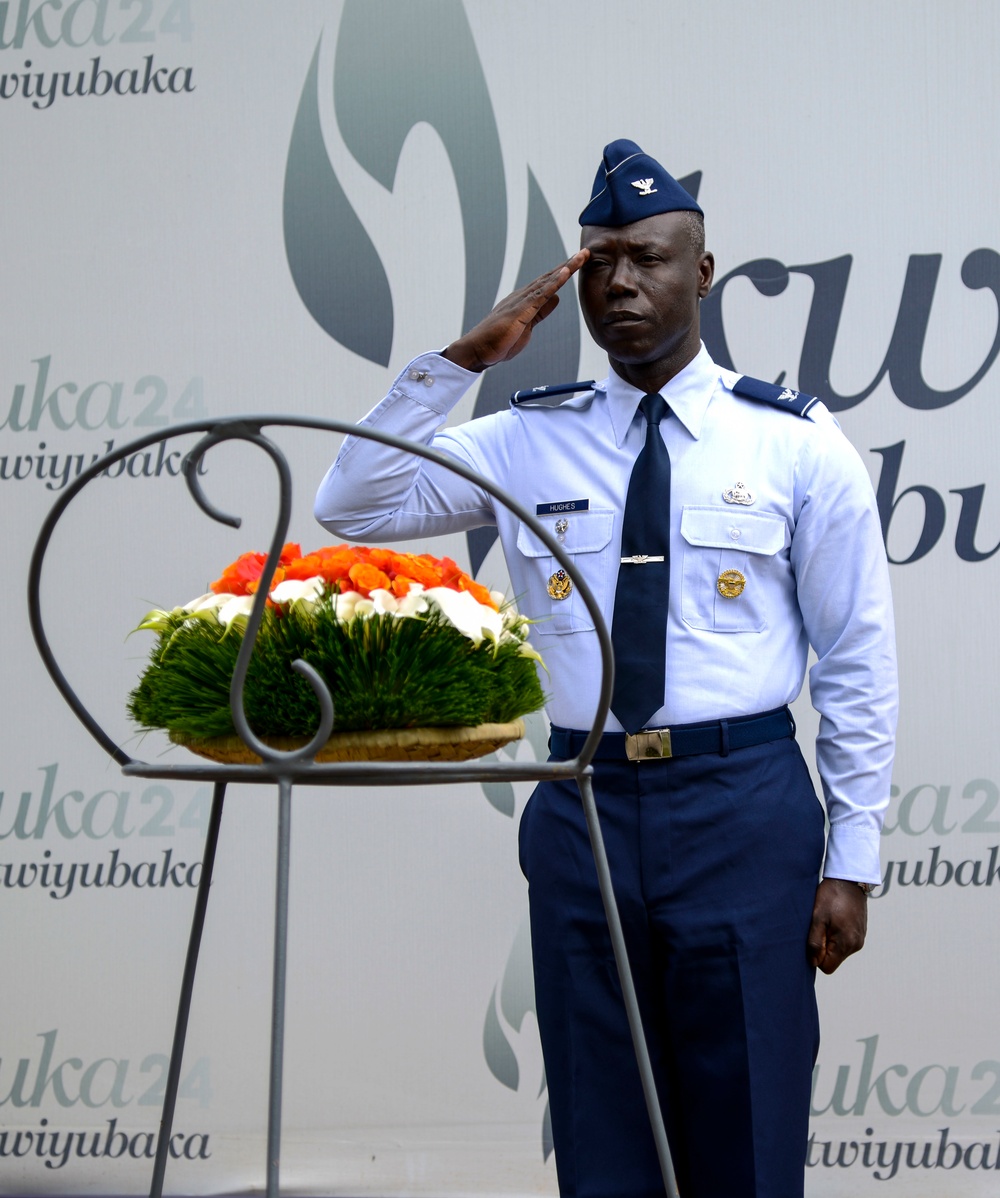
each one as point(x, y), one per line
point(650, 745)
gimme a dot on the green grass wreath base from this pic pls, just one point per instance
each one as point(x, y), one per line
point(382, 672)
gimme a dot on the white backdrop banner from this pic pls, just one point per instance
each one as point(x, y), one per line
point(214, 207)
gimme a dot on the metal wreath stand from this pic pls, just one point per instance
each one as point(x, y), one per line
point(287, 768)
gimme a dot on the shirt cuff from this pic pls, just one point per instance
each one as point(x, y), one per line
point(434, 381)
point(852, 854)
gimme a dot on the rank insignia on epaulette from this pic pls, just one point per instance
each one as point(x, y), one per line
point(541, 395)
point(775, 395)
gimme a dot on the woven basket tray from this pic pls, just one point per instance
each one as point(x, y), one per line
point(388, 744)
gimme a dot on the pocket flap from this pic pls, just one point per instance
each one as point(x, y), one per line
point(724, 528)
point(586, 532)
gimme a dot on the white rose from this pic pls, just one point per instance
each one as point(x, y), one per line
point(207, 602)
point(385, 601)
point(293, 590)
point(238, 607)
point(413, 603)
point(473, 619)
point(344, 603)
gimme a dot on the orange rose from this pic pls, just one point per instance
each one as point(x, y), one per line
point(367, 578)
point(450, 573)
point(421, 569)
point(336, 562)
point(477, 591)
point(383, 558)
point(246, 569)
point(253, 586)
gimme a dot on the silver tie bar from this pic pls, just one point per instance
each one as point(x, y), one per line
point(640, 559)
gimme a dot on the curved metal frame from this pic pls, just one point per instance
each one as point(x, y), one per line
point(287, 768)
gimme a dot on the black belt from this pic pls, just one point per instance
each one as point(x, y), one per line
point(681, 740)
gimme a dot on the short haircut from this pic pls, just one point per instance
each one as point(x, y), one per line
point(694, 225)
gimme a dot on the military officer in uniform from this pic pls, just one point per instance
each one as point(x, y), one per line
point(725, 525)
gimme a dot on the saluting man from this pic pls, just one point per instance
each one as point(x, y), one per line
point(725, 525)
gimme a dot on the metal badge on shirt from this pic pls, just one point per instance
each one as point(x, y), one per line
point(560, 585)
point(738, 493)
point(731, 583)
point(562, 524)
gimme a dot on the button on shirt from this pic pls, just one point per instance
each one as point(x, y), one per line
point(808, 548)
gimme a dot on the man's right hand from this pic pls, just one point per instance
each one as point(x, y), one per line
point(507, 329)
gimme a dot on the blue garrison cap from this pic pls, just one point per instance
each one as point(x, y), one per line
point(630, 186)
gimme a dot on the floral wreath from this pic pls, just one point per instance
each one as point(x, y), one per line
point(402, 640)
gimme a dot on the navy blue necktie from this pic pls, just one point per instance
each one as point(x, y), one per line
point(639, 626)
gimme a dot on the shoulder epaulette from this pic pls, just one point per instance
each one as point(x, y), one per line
point(541, 395)
point(775, 395)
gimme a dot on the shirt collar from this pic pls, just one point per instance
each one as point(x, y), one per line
point(688, 394)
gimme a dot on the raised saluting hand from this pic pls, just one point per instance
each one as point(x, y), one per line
point(507, 329)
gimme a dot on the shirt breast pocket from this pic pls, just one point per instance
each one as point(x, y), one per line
point(732, 562)
point(587, 540)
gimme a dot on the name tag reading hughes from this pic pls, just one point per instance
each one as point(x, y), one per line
point(566, 505)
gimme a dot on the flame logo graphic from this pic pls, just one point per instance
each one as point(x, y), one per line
point(427, 71)
point(516, 999)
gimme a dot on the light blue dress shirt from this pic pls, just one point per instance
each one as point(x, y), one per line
point(809, 546)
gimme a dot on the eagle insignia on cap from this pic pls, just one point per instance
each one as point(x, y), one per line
point(644, 186)
point(788, 394)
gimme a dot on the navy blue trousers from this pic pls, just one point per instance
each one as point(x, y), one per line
point(715, 861)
